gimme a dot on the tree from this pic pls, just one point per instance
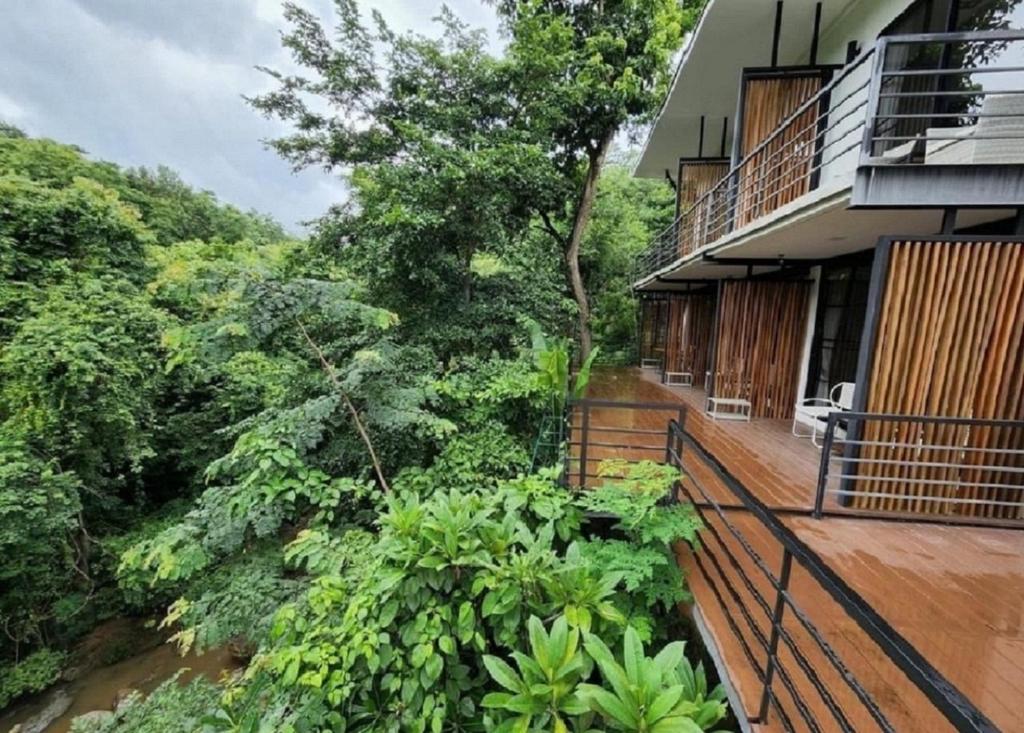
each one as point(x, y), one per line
point(441, 179)
point(628, 211)
point(582, 71)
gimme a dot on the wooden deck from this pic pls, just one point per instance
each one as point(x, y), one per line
point(955, 593)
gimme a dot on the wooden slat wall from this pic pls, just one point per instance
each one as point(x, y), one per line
point(760, 339)
point(688, 343)
point(950, 342)
point(696, 178)
point(781, 171)
point(653, 321)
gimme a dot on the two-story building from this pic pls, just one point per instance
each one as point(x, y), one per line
point(840, 304)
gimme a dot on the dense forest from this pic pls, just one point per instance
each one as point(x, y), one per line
point(323, 451)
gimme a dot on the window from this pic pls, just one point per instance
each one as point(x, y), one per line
point(842, 303)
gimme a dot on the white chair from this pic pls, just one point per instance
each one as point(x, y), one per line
point(814, 411)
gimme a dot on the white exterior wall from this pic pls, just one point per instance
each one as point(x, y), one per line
point(861, 22)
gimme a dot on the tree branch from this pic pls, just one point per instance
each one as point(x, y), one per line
point(550, 228)
point(329, 369)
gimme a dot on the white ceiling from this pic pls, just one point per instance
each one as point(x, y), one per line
point(731, 35)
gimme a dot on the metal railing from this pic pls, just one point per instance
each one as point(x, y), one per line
point(966, 108)
point(792, 161)
point(947, 99)
point(594, 435)
point(805, 684)
point(959, 469)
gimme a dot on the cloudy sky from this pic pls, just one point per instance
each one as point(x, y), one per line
point(148, 82)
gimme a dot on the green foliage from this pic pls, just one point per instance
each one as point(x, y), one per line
point(659, 694)
point(635, 495)
point(171, 708)
point(628, 212)
point(79, 379)
point(543, 691)
point(551, 357)
point(33, 673)
point(550, 691)
point(319, 451)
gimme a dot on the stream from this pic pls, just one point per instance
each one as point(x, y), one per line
point(98, 688)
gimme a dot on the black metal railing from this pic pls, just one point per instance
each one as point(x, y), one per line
point(951, 468)
point(793, 160)
point(602, 429)
point(943, 98)
point(804, 681)
point(946, 99)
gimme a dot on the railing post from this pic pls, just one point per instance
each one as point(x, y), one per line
point(773, 642)
point(566, 442)
point(826, 455)
point(584, 436)
point(867, 150)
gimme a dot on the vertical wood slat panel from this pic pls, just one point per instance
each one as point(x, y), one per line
point(760, 339)
point(688, 343)
point(653, 319)
point(780, 172)
point(696, 178)
point(950, 343)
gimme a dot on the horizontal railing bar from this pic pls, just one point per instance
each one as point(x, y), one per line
point(925, 138)
point(935, 464)
point(587, 402)
point(956, 37)
point(625, 431)
point(953, 72)
point(945, 116)
point(951, 93)
point(947, 419)
point(929, 482)
point(913, 497)
point(921, 446)
point(659, 448)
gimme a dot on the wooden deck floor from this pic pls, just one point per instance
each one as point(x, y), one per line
point(955, 593)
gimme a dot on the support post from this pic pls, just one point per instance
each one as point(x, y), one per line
point(773, 642)
point(826, 454)
point(868, 340)
point(777, 33)
point(584, 437)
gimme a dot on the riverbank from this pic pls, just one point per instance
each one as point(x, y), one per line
point(90, 684)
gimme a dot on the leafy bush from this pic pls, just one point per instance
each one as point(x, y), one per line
point(663, 694)
point(34, 673)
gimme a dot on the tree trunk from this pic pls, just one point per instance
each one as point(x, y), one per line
point(579, 225)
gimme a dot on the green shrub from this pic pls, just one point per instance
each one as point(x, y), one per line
point(34, 673)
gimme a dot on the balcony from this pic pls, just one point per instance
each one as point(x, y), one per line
point(921, 121)
point(833, 618)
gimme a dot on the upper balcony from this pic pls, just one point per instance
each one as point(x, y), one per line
point(916, 123)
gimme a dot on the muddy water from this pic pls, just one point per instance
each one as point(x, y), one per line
point(96, 689)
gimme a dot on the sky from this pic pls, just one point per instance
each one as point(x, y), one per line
point(151, 82)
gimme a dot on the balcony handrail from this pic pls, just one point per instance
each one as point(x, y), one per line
point(727, 180)
point(926, 460)
point(943, 695)
point(894, 140)
point(716, 211)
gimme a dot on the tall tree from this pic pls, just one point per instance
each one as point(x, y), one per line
point(583, 71)
point(440, 179)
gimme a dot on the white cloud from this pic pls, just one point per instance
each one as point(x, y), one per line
point(11, 111)
point(149, 83)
